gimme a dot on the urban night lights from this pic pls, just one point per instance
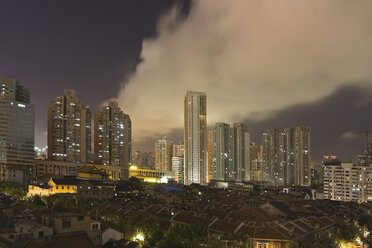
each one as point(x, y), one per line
point(186, 123)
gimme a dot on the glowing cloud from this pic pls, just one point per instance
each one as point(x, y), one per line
point(250, 57)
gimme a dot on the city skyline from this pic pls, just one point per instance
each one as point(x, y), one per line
point(186, 123)
point(127, 55)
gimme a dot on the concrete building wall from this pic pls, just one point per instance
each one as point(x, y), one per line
point(195, 137)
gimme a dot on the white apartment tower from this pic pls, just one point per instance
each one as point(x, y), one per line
point(163, 154)
point(347, 182)
point(178, 169)
point(195, 138)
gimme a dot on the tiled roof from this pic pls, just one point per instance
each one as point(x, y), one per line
point(283, 208)
point(267, 232)
point(190, 220)
point(67, 180)
point(224, 226)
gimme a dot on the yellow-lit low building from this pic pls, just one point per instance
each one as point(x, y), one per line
point(46, 167)
point(91, 182)
point(39, 190)
point(151, 176)
point(66, 185)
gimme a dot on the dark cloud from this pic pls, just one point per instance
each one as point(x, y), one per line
point(253, 59)
point(329, 119)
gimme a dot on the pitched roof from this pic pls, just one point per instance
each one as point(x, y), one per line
point(224, 226)
point(283, 208)
point(67, 180)
point(30, 226)
point(266, 232)
point(191, 220)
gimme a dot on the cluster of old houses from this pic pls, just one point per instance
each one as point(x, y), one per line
point(271, 217)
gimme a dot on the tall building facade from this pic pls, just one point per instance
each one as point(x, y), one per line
point(286, 156)
point(347, 182)
point(266, 169)
point(210, 156)
point(221, 152)
point(178, 150)
point(69, 129)
point(163, 154)
point(231, 152)
point(255, 165)
point(240, 153)
point(178, 169)
point(302, 156)
point(195, 137)
point(144, 160)
point(112, 136)
point(17, 126)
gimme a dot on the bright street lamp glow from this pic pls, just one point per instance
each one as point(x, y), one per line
point(140, 237)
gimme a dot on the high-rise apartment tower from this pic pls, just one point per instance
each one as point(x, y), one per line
point(163, 154)
point(113, 137)
point(195, 137)
point(69, 129)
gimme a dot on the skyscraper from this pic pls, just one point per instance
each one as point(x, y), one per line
point(240, 153)
point(178, 150)
point(286, 156)
point(253, 158)
point(221, 152)
point(17, 126)
point(163, 154)
point(69, 129)
point(231, 158)
point(195, 137)
point(302, 156)
point(178, 169)
point(265, 151)
point(210, 156)
point(112, 136)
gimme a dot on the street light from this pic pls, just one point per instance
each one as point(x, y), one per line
point(139, 238)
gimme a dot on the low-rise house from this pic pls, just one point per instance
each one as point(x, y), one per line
point(27, 231)
point(85, 186)
point(111, 234)
point(41, 190)
point(73, 222)
point(188, 219)
point(274, 234)
point(278, 209)
point(95, 189)
point(218, 228)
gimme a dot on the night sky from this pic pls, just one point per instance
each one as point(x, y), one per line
point(89, 46)
point(266, 63)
